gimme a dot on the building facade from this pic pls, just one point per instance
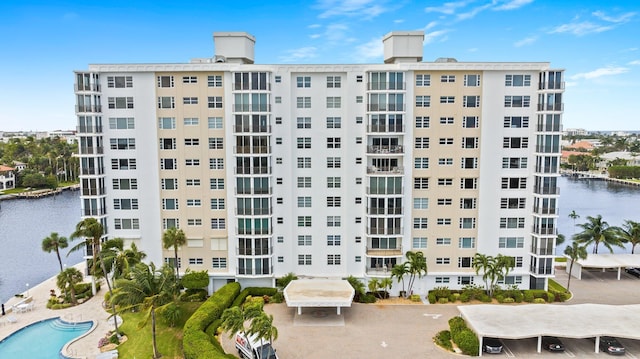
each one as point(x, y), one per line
point(326, 170)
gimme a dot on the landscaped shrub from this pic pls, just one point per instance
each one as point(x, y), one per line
point(452, 297)
point(195, 280)
point(471, 292)
point(464, 297)
point(443, 339)
point(193, 295)
point(441, 292)
point(528, 296)
point(456, 324)
point(414, 298)
point(508, 300)
point(539, 301)
point(485, 298)
point(443, 300)
point(254, 292)
point(467, 341)
point(500, 298)
point(560, 296)
point(550, 297)
point(367, 298)
point(277, 298)
point(432, 298)
point(284, 281)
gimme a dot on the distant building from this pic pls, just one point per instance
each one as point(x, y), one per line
point(575, 132)
point(20, 166)
point(7, 177)
point(67, 135)
point(631, 158)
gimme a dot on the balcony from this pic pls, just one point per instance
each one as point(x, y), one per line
point(91, 150)
point(384, 252)
point(92, 170)
point(545, 230)
point(546, 169)
point(548, 149)
point(93, 212)
point(93, 191)
point(258, 191)
point(546, 270)
point(381, 230)
point(383, 85)
point(251, 129)
point(252, 149)
point(385, 149)
point(384, 211)
point(549, 128)
point(262, 86)
point(252, 170)
point(553, 85)
point(385, 191)
point(254, 251)
point(89, 129)
point(87, 87)
point(252, 108)
point(254, 211)
point(254, 231)
point(551, 107)
point(545, 210)
point(386, 107)
point(552, 190)
point(385, 128)
point(542, 251)
point(385, 170)
point(255, 272)
point(89, 108)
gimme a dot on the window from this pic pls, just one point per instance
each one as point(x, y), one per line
point(517, 80)
point(469, 142)
point(442, 280)
point(214, 81)
point(443, 221)
point(123, 164)
point(511, 242)
point(333, 142)
point(359, 119)
point(303, 122)
point(334, 240)
point(447, 99)
point(218, 263)
point(191, 141)
point(467, 223)
point(334, 102)
point(423, 80)
point(466, 242)
point(420, 203)
point(121, 123)
point(517, 101)
point(304, 221)
point(511, 280)
point(445, 181)
point(514, 162)
point(195, 261)
point(304, 162)
point(512, 222)
point(444, 201)
point(464, 262)
point(419, 242)
point(192, 162)
point(514, 183)
point(218, 223)
point(421, 142)
point(359, 99)
point(304, 182)
point(470, 121)
point(516, 122)
point(216, 183)
point(333, 259)
point(333, 162)
point(169, 183)
point(279, 200)
point(214, 101)
point(125, 203)
point(304, 240)
point(217, 203)
point(358, 200)
point(166, 102)
point(443, 260)
point(278, 120)
point(165, 81)
point(278, 140)
point(447, 78)
point(214, 122)
point(334, 221)
point(467, 203)
point(420, 223)
point(513, 203)
point(194, 202)
point(278, 99)
point(468, 183)
point(358, 160)
point(358, 78)
point(119, 81)
point(167, 123)
point(303, 81)
point(422, 122)
point(191, 121)
point(304, 142)
point(194, 222)
point(303, 102)
point(216, 143)
point(445, 161)
point(465, 280)
point(304, 202)
point(123, 143)
point(469, 162)
point(421, 183)
point(215, 163)
point(278, 79)
point(443, 241)
point(334, 122)
point(126, 223)
point(304, 259)
point(446, 120)
point(470, 101)
point(358, 180)
point(334, 182)
point(167, 143)
point(446, 141)
point(472, 80)
point(120, 102)
point(125, 183)
point(189, 100)
point(423, 101)
point(334, 82)
point(189, 79)
point(421, 163)
point(170, 203)
point(518, 262)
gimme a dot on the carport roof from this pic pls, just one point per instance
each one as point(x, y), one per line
point(319, 293)
point(568, 321)
point(608, 260)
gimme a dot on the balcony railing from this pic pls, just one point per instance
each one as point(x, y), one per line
point(384, 252)
point(553, 190)
point(254, 231)
point(252, 170)
point(252, 129)
point(553, 85)
point(93, 191)
point(383, 85)
point(545, 210)
point(89, 108)
point(542, 251)
point(385, 149)
point(385, 191)
point(386, 107)
point(92, 170)
point(379, 272)
point(255, 272)
point(385, 128)
point(548, 149)
point(252, 190)
point(87, 87)
point(551, 107)
point(254, 211)
point(388, 230)
point(547, 169)
point(385, 170)
point(89, 129)
point(252, 108)
point(91, 150)
point(382, 210)
point(254, 251)
point(547, 128)
point(545, 230)
point(546, 270)
point(240, 86)
point(251, 149)
point(93, 212)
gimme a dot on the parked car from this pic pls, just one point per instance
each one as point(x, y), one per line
point(633, 271)
point(552, 344)
point(491, 345)
point(611, 345)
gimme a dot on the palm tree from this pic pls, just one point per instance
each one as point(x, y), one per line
point(262, 326)
point(55, 243)
point(67, 280)
point(596, 231)
point(573, 215)
point(118, 260)
point(417, 264)
point(386, 284)
point(493, 269)
point(149, 288)
point(174, 238)
point(399, 271)
point(234, 318)
point(484, 263)
point(91, 230)
point(630, 233)
point(575, 251)
point(373, 285)
point(357, 286)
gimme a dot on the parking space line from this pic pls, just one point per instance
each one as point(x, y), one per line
point(629, 355)
point(569, 353)
point(507, 351)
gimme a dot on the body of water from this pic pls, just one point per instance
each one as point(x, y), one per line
point(24, 223)
point(29, 343)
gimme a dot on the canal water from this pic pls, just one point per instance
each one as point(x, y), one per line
point(24, 223)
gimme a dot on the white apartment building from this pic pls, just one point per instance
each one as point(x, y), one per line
point(326, 170)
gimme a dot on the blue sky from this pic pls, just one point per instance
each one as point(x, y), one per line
point(597, 42)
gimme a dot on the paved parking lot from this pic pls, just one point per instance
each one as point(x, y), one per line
point(406, 331)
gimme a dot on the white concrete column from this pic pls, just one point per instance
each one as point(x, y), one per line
point(299, 310)
point(338, 310)
point(539, 343)
point(619, 273)
point(480, 349)
point(598, 344)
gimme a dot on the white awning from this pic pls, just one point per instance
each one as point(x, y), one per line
point(319, 293)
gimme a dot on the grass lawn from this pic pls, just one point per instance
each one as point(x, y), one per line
point(169, 339)
point(13, 190)
point(556, 286)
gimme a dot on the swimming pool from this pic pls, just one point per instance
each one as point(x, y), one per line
point(42, 340)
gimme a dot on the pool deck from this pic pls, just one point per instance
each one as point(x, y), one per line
point(85, 347)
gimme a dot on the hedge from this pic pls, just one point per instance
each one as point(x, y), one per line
point(197, 344)
point(254, 292)
point(468, 342)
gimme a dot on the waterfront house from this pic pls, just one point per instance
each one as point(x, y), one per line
point(7, 177)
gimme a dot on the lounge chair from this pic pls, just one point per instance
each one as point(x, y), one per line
point(11, 319)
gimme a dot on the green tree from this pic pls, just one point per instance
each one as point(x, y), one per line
point(630, 233)
point(174, 238)
point(262, 326)
point(67, 280)
point(484, 263)
point(117, 260)
point(386, 284)
point(417, 265)
point(53, 243)
point(573, 215)
point(357, 286)
point(234, 319)
point(596, 231)
point(575, 251)
point(399, 271)
point(91, 231)
point(493, 268)
point(149, 289)
point(374, 285)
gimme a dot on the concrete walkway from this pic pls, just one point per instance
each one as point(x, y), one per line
point(83, 348)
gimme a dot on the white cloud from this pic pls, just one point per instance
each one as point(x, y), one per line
point(512, 5)
point(434, 35)
point(369, 51)
point(473, 49)
point(430, 25)
point(475, 11)
point(620, 19)
point(634, 63)
point(448, 8)
point(315, 36)
point(580, 28)
point(367, 8)
point(603, 71)
point(398, 21)
point(299, 55)
point(314, 26)
point(526, 41)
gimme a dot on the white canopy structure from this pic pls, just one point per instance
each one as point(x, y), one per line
point(319, 293)
point(603, 261)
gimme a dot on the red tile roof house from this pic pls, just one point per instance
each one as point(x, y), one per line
point(7, 177)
